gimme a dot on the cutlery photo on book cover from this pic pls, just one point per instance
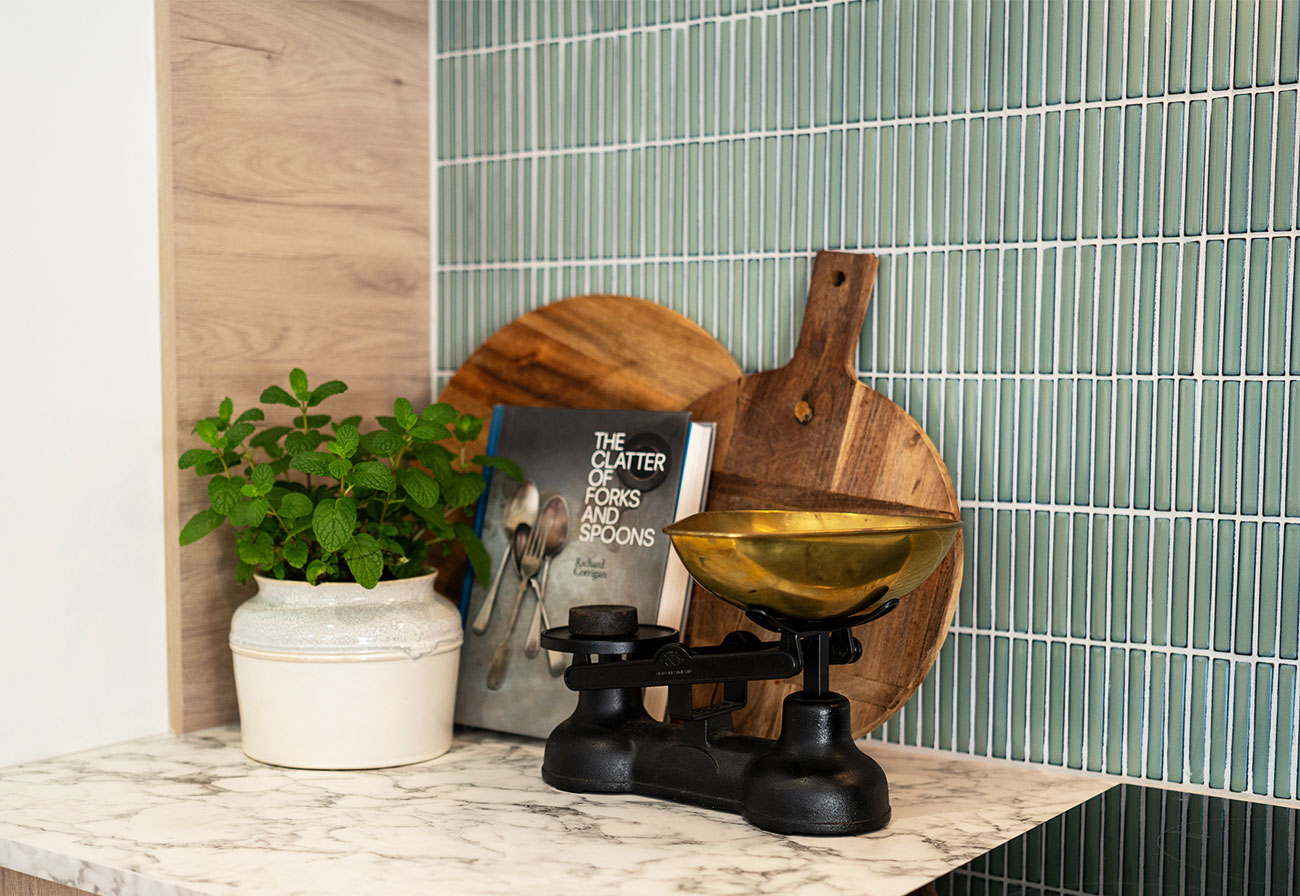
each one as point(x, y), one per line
point(585, 525)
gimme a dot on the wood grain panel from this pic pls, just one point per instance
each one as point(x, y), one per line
point(295, 232)
point(15, 883)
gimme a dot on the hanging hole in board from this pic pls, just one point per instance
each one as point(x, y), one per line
point(837, 278)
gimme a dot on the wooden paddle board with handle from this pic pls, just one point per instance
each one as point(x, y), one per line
point(595, 351)
point(811, 436)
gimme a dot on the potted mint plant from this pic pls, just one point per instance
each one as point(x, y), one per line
point(345, 657)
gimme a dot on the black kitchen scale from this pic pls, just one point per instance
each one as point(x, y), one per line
point(809, 578)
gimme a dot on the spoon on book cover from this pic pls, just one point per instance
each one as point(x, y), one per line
point(521, 510)
point(555, 519)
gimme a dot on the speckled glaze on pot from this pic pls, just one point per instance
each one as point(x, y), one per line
point(345, 618)
point(337, 677)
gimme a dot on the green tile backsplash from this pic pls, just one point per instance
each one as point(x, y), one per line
point(1087, 220)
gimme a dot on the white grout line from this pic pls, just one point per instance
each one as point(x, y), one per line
point(551, 149)
point(885, 253)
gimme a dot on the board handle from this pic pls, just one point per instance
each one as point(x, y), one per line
point(841, 287)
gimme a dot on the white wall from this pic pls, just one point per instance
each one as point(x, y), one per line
point(82, 633)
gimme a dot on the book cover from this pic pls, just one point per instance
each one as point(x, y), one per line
point(617, 475)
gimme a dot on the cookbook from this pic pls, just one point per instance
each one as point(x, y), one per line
point(584, 526)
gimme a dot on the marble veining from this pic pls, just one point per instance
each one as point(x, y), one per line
point(169, 816)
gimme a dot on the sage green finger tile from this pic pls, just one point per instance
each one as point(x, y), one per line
point(981, 708)
point(1136, 711)
point(1207, 475)
point(1284, 172)
point(1053, 185)
point(1075, 14)
point(1179, 42)
point(1037, 708)
point(1098, 577)
point(1084, 414)
point(1198, 720)
point(1080, 535)
point(1217, 170)
point(1062, 466)
point(1250, 466)
point(1271, 432)
point(1095, 179)
point(1084, 312)
point(1095, 722)
point(1094, 58)
point(887, 86)
point(1229, 460)
point(1101, 432)
point(1224, 597)
point(1236, 739)
point(1000, 710)
point(1270, 589)
point(1204, 585)
point(1289, 621)
point(1239, 182)
point(1128, 619)
point(1289, 58)
point(1143, 181)
point(1011, 163)
point(1197, 153)
point(1059, 702)
point(1284, 752)
point(1109, 307)
point(1172, 176)
point(1246, 49)
point(1221, 41)
point(1077, 705)
point(1164, 472)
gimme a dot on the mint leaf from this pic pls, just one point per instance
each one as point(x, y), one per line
point(419, 486)
point(294, 505)
point(382, 443)
point(333, 522)
point(364, 560)
point(373, 474)
point(404, 414)
point(269, 436)
point(262, 478)
point(435, 520)
point(316, 421)
point(251, 414)
point(509, 467)
point(249, 513)
point(391, 424)
point(248, 491)
point(227, 408)
point(325, 390)
point(199, 525)
point(298, 441)
point(315, 569)
point(340, 467)
point(238, 433)
point(428, 432)
point(224, 493)
point(276, 395)
point(295, 554)
point(437, 458)
point(298, 383)
point(313, 463)
point(255, 548)
point(439, 414)
point(346, 441)
point(462, 489)
point(207, 431)
point(467, 428)
point(195, 456)
point(475, 553)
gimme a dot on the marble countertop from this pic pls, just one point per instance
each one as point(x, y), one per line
point(177, 816)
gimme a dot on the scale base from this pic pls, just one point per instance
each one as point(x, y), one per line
point(812, 779)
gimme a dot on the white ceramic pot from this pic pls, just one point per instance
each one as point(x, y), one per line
point(333, 676)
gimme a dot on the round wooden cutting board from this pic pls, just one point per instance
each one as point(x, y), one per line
point(810, 436)
point(596, 351)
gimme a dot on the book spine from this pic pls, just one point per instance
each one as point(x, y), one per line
point(480, 511)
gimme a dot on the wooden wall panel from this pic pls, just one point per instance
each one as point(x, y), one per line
point(295, 232)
